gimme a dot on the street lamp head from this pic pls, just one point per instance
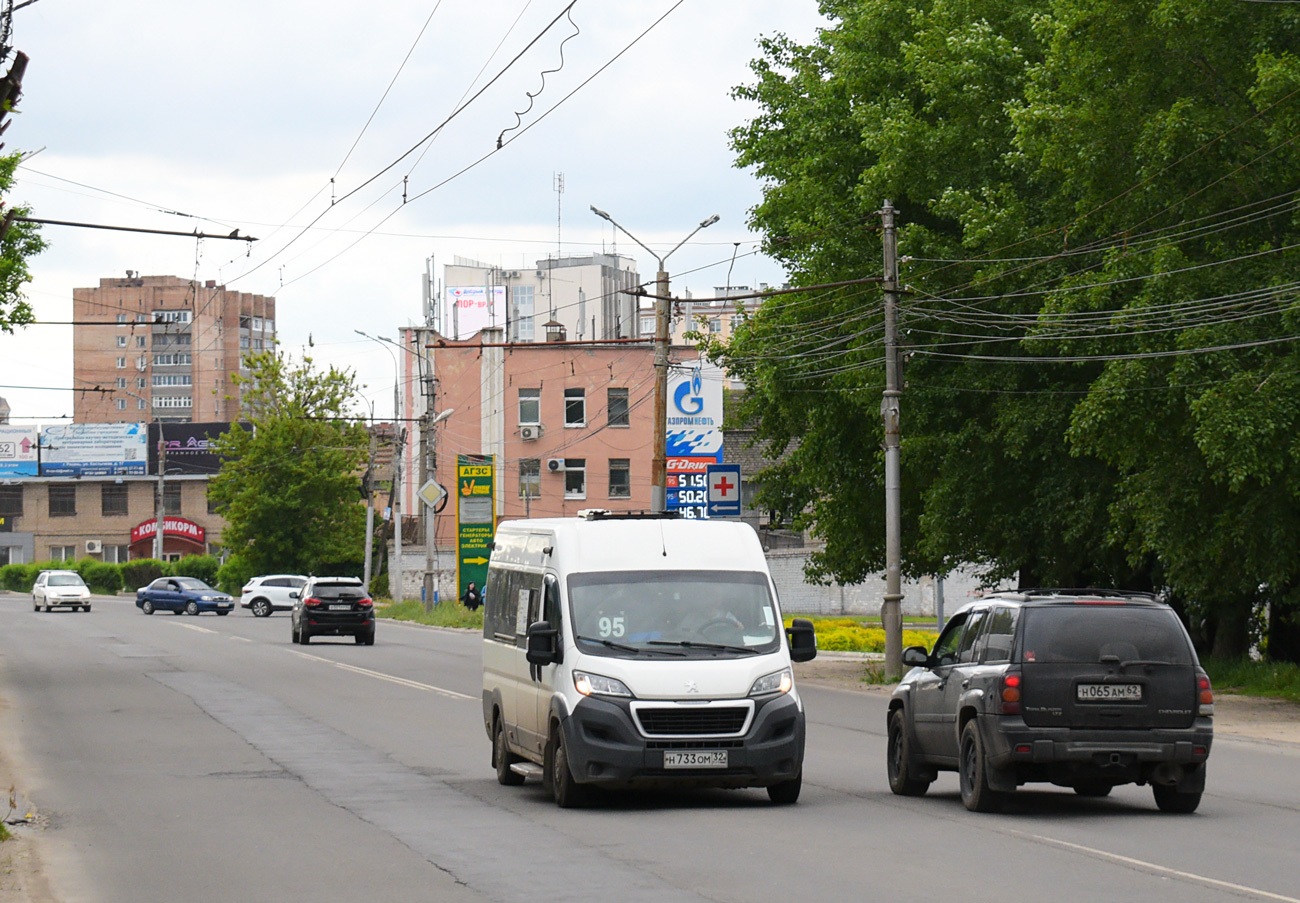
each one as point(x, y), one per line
point(710, 221)
point(600, 213)
point(442, 415)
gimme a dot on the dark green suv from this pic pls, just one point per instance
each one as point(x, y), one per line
point(1080, 688)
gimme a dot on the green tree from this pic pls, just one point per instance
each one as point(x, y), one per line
point(1092, 193)
point(289, 487)
point(20, 243)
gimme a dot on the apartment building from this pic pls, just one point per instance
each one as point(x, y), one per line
point(589, 296)
point(164, 348)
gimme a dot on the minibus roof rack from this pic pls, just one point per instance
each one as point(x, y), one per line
point(604, 514)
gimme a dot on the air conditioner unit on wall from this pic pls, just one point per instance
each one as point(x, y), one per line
point(530, 433)
point(94, 546)
point(555, 465)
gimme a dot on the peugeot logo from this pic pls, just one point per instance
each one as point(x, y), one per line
point(691, 687)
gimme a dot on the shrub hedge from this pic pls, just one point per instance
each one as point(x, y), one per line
point(204, 567)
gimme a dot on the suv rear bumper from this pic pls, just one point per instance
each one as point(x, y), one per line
point(605, 747)
point(1068, 756)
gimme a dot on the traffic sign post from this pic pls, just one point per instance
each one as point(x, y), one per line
point(724, 490)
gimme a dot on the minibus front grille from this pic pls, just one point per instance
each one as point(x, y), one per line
point(690, 721)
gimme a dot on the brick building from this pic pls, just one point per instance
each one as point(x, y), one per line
point(166, 347)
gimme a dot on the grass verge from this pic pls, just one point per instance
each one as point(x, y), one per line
point(449, 613)
point(1247, 677)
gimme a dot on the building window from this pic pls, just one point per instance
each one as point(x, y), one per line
point(121, 318)
point(244, 342)
point(11, 500)
point(257, 323)
point(530, 478)
point(116, 554)
point(171, 316)
point(268, 325)
point(139, 341)
point(176, 379)
point(139, 404)
point(11, 555)
point(121, 382)
point(575, 407)
point(63, 553)
point(141, 362)
point(139, 382)
point(121, 404)
point(170, 360)
point(172, 498)
point(617, 407)
point(523, 302)
point(620, 478)
point(715, 325)
point(121, 363)
point(530, 406)
point(63, 500)
point(647, 326)
point(121, 341)
point(575, 478)
point(213, 505)
point(172, 401)
point(112, 499)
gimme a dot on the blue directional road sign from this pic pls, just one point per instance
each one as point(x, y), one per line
point(724, 490)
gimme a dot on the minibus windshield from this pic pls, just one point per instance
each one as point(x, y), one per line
point(659, 613)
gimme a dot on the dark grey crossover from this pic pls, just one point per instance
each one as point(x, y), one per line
point(332, 606)
point(1086, 689)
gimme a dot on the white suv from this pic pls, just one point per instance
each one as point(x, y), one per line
point(271, 593)
point(60, 589)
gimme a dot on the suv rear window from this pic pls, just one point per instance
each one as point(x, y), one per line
point(338, 591)
point(1085, 633)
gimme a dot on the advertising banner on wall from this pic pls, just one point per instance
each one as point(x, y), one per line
point(473, 307)
point(19, 451)
point(476, 517)
point(694, 434)
point(93, 449)
point(189, 446)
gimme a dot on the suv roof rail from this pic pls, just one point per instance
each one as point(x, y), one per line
point(1086, 591)
point(604, 514)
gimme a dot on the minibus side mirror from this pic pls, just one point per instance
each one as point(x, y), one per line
point(543, 644)
point(916, 656)
point(803, 640)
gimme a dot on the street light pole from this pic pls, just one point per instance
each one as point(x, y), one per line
point(395, 574)
point(890, 613)
point(659, 462)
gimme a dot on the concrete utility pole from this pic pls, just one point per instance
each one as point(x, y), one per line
point(659, 462)
point(395, 576)
point(162, 495)
point(890, 612)
point(370, 502)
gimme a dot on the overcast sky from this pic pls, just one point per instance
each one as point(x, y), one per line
point(239, 113)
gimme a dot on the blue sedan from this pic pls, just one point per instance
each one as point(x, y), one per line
point(182, 594)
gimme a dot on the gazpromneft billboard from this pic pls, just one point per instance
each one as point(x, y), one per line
point(694, 434)
point(94, 449)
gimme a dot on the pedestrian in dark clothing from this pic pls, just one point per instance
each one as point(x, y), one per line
point(472, 599)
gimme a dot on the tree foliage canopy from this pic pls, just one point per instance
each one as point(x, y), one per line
point(1099, 221)
point(22, 242)
point(289, 488)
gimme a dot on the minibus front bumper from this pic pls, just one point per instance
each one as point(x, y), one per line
point(606, 745)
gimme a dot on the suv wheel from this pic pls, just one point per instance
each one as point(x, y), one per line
point(261, 608)
point(1168, 799)
point(503, 758)
point(975, 790)
point(904, 777)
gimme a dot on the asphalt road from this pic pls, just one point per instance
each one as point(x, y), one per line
point(208, 759)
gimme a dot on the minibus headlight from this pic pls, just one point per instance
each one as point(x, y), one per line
point(598, 685)
point(776, 682)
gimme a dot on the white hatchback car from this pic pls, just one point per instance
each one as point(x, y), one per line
point(270, 593)
point(60, 589)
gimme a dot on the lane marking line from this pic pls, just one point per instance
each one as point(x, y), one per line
point(402, 681)
point(241, 639)
point(1158, 869)
point(196, 627)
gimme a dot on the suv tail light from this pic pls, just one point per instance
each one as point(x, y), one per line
point(366, 603)
point(1008, 700)
point(311, 602)
point(1204, 694)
